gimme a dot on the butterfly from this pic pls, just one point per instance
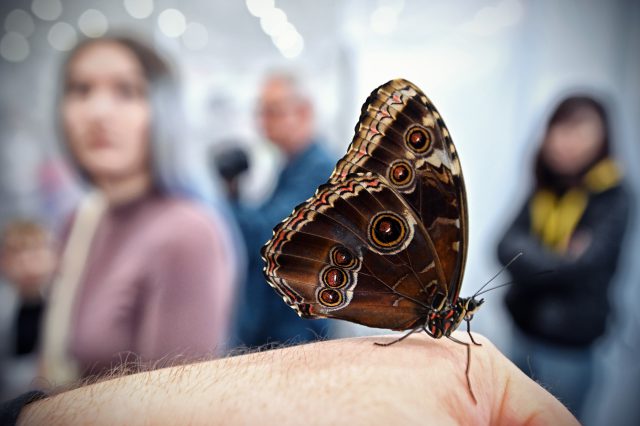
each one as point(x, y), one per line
point(384, 242)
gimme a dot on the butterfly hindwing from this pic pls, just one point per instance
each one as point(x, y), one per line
point(355, 251)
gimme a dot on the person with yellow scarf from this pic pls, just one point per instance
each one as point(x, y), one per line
point(570, 231)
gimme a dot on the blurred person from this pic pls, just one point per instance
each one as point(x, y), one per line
point(148, 269)
point(613, 398)
point(572, 226)
point(286, 118)
point(27, 262)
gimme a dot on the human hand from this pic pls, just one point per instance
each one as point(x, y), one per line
point(579, 243)
point(349, 381)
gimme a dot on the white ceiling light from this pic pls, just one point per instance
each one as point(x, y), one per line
point(196, 36)
point(19, 21)
point(259, 7)
point(287, 38)
point(290, 43)
point(273, 21)
point(47, 10)
point(14, 47)
point(295, 49)
point(172, 23)
point(139, 9)
point(62, 36)
point(93, 23)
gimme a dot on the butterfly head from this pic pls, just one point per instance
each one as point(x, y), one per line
point(469, 306)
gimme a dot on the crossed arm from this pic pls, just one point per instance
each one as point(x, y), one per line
point(417, 381)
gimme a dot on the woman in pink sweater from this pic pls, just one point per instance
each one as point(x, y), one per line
point(147, 273)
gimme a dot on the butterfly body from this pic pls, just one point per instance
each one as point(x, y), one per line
point(383, 242)
point(443, 322)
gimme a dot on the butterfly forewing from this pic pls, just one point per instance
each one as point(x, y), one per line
point(383, 243)
point(427, 174)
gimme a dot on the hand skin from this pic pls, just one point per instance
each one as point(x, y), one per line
point(351, 381)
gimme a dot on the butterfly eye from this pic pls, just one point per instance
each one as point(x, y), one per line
point(387, 231)
point(335, 278)
point(400, 174)
point(418, 139)
point(342, 257)
point(330, 297)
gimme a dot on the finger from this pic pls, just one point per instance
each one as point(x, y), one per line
point(525, 402)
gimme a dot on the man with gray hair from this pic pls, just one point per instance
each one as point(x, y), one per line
point(286, 119)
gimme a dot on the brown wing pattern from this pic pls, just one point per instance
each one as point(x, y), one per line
point(383, 243)
point(336, 242)
point(434, 186)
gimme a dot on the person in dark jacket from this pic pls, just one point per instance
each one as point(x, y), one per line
point(570, 230)
point(285, 115)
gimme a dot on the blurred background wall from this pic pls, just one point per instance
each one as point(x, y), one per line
point(493, 69)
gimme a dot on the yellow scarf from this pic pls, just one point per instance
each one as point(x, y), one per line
point(554, 218)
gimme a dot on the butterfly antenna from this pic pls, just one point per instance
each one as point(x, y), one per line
point(537, 274)
point(494, 288)
point(504, 268)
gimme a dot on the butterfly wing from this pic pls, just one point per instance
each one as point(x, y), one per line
point(402, 138)
point(356, 252)
point(383, 243)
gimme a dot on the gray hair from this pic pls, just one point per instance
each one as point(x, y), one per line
point(294, 79)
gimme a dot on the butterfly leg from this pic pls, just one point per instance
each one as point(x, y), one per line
point(466, 372)
point(399, 339)
point(469, 332)
point(426, 330)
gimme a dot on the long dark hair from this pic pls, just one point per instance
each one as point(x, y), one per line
point(569, 110)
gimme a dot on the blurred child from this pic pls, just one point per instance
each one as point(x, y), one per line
point(27, 262)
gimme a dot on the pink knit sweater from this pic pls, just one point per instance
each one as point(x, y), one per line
point(158, 285)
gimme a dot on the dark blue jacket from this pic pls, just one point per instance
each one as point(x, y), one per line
point(262, 316)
